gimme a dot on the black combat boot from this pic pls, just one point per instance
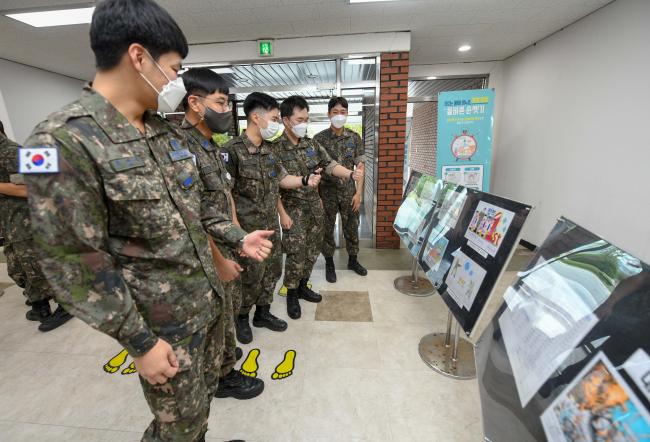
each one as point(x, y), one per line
point(306, 293)
point(293, 305)
point(354, 265)
point(264, 318)
point(40, 311)
point(330, 270)
point(238, 353)
point(236, 385)
point(56, 320)
point(243, 329)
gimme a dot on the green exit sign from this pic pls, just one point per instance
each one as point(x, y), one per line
point(265, 48)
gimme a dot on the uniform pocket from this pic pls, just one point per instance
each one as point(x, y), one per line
point(136, 207)
point(251, 183)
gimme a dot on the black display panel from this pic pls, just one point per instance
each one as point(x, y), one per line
point(566, 356)
point(468, 243)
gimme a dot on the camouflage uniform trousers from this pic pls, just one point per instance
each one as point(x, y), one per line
point(23, 268)
point(182, 405)
point(302, 243)
point(334, 202)
point(232, 304)
point(260, 278)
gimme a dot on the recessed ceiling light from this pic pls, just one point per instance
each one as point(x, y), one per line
point(59, 17)
point(431, 78)
point(464, 48)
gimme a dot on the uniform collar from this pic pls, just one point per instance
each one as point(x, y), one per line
point(114, 124)
point(344, 134)
point(303, 143)
point(264, 148)
point(196, 134)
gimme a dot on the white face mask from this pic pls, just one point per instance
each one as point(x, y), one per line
point(299, 130)
point(270, 130)
point(338, 120)
point(171, 94)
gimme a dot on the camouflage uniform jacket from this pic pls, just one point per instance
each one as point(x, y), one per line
point(347, 149)
point(120, 226)
point(217, 181)
point(14, 211)
point(257, 173)
point(302, 159)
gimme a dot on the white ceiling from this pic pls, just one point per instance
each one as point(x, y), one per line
point(496, 29)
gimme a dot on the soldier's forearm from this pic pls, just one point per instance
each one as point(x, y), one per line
point(291, 182)
point(15, 190)
point(341, 172)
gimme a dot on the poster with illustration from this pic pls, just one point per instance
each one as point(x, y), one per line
point(451, 208)
point(435, 251)
point(464, 280)
point(597, 406)
point(413, 216)
point(489, 226)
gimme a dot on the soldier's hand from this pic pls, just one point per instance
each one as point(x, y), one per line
point(256, 245)
point(359, 172)
point(314, 179)
point(286, 222)
point(229, 270)
point(158, 365)
point(356, 202)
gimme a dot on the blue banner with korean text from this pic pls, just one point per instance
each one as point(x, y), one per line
point(465, 123)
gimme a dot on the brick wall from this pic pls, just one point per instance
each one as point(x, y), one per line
point(393, 95)
point(422, 147)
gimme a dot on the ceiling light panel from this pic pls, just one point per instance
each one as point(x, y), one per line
point(61, 17)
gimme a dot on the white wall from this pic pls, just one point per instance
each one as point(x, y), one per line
point(572, 122)
point(30, 94)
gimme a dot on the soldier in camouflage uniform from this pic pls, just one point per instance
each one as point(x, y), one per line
point(259, 175)
point(338, 195)
point(119, 221)
point(207, 111)
point(20, 250)
point(301, 212)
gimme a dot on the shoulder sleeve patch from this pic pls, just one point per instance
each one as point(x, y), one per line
point(38, 160)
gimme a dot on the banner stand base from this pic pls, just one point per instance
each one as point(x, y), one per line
point(452, 359)
point(408, 286)
point(412, 284)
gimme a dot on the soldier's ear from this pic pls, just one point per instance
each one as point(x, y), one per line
point(136, 54)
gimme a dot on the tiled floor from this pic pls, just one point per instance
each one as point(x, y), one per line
point(353, 381)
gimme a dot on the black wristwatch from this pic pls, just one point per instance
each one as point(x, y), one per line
point(305, 180)
point(352, 176)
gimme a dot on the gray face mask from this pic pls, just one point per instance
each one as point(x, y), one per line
point(218, 122)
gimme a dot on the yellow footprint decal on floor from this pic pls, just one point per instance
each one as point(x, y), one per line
point(130, 369)
point(249, 367)
point(116, 362)
point(285, 368)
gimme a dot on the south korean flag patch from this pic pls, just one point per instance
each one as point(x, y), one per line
point(38, 160)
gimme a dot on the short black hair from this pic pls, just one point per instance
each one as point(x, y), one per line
point(203, 81)
point(117, 24)
point(334, 101)
point(290, 103)
point(2, 128)
point(259, 100)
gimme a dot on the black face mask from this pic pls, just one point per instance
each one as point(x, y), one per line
point(218, 122)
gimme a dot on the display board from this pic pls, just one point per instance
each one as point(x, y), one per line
point(566, 358)
point(418, 204)
point(468, 243)
point(464, 151)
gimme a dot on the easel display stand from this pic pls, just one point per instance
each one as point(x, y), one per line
point(413, 284)
point(451, 358)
